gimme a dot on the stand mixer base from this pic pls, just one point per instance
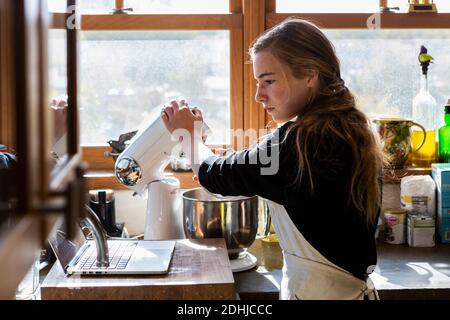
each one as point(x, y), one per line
point(246, 262)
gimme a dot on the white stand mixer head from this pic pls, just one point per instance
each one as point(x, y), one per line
point(145, 159)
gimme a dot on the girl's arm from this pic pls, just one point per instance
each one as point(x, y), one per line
point(248, 172)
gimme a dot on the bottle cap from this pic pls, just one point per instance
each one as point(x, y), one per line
point(447, 108)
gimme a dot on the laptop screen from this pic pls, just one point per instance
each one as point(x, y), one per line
point(65, 249)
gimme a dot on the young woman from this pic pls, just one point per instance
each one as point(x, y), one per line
point(324, 197)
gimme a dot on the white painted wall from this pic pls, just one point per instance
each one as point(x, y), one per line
point(391, 195)
point(130, 210)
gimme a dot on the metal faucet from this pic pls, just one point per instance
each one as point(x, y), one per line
point(92, 222)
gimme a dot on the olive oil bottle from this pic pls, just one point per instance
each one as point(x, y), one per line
point(425, 112)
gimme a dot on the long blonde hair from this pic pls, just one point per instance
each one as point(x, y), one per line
point(332, 111)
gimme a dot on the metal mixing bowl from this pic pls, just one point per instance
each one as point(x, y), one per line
point(233, 218)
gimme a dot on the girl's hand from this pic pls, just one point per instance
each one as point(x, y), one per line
point(177, 115)
point(195, 179)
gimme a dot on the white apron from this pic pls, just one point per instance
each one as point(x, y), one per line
point(307, 275)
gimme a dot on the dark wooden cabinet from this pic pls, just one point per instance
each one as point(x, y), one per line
point(41, 192)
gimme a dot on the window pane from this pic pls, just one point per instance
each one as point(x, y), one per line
point(146, 6)
point(325, 6)
point(56, 5)
point(57, 64)
point(57, 87)
point(441, 5)
point(381, 67)
point(178, 6)
point(127, 76)
point(86, 6)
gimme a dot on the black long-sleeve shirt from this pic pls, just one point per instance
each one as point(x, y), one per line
point(325, 217)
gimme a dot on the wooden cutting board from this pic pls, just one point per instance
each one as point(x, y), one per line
point(200, 269)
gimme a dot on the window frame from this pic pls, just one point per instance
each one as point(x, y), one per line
point(150, 22)
point(100, 166)
point(245, 21)
point(389, 20)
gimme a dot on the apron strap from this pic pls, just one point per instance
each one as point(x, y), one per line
point(370, 293)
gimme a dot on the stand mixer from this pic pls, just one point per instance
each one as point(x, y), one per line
point(140, 167)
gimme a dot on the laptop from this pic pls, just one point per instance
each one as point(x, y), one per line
point(127, 256)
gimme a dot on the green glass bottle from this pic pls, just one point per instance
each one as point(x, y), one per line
point(444, 137)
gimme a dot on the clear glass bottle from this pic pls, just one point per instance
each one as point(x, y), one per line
point(266, 231)
point(425, 112)
point(28, 288)
point(444, 137)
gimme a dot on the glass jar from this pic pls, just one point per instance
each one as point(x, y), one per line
point(28, 288)
point(266, 231)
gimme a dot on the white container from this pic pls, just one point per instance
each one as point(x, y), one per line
point(417, 195)
point(421, 231)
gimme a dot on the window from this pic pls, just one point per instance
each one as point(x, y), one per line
point(86, 6)
point(360, 6)
point(442, 5)
point(127, 75)
point(57, 72)
point(178, 6)
point(147, 6)
point(57, 89)
point(381, 68)
point(129, 66)
point(329, 6)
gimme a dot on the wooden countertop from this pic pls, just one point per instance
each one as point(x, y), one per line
point(405, 272)
point(402, 272)
point(200, 269)
point(263, 281)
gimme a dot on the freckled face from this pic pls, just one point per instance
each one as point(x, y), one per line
point(281, 94)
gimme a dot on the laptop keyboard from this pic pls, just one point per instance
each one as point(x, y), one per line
point(119, 255)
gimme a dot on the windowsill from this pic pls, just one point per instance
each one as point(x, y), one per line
point(105, 179)
point(394, 176)
point(100, 174)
